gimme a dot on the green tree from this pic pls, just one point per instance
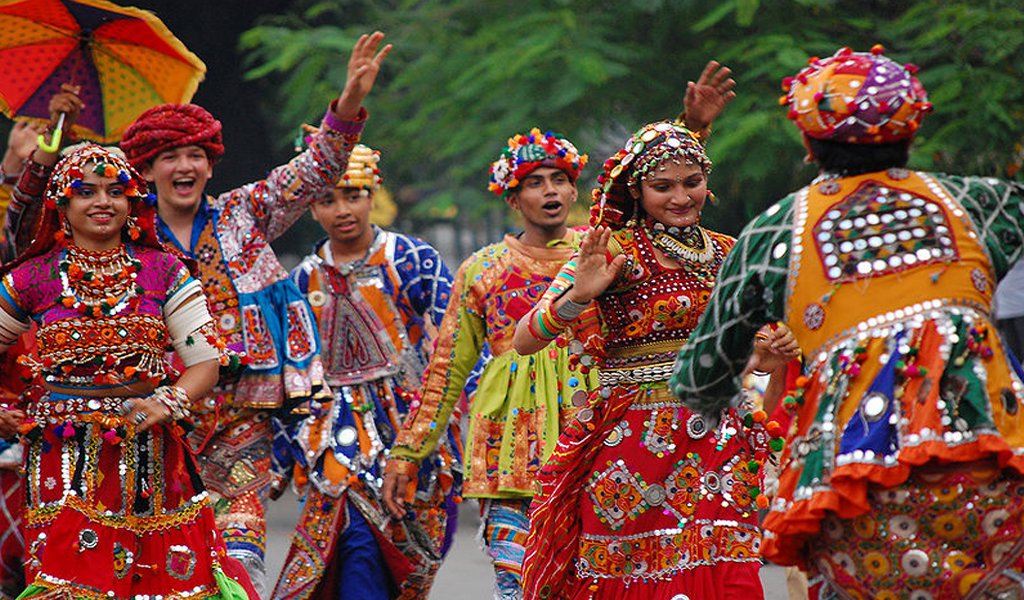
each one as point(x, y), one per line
point(467, 74)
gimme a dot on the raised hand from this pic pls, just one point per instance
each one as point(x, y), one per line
point(68, 102)
point(363, 67)
point(707, 98)
point(10, 419)
point(22, 140)
point(773, 348)
point(594, 272)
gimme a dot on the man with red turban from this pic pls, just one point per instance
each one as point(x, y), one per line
point(258, 309)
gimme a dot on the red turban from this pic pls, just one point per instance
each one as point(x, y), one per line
point(170, 126)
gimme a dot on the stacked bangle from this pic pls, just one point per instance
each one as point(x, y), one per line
point(568, 310)
point(175, 399)
point(546, 324)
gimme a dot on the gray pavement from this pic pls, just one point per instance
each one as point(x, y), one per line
point(465, 574)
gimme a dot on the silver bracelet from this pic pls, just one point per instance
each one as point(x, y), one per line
point(568, 310)
point(175, 399)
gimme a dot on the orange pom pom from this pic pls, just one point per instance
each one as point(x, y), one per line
point(762, 501)
point(759, 416)
point(802, 381)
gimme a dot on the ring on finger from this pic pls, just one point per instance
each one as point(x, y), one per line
point(140, 417)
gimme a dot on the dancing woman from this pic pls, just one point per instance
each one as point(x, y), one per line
point(114, 505)
point(642, 498)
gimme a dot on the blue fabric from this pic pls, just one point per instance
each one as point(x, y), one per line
point(18, 312)
point(880, 436)
point(273, 302)
point(363, 574)
point(201, 218)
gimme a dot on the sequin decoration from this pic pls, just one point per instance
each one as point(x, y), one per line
point(617, 495)
point(696, 426)
point(123, 559)
point(814, 316)
point(258, 341)
point(878, 230)
point(181, 562)
point(980, 280)
point(300, 332)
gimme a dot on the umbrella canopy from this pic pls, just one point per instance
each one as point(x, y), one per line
point(124, 59)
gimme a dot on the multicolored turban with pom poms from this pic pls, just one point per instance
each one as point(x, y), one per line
point(528, 152)
point(856, 98)
point(170, 126)
point(362, 171)
point(613, 205)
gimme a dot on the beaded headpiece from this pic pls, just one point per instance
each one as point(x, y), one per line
point(653, 143)
point(528, 152)
point(856, 97)
point(170, 126)
point(362, 171)
point(68, 175)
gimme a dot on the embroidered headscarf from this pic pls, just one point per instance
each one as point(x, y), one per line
point(527, 152)
point(170, 126)
point(856, 98)
point(612, 204)
point(67, 178)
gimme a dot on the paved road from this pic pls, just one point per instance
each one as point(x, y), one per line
point(466, 573)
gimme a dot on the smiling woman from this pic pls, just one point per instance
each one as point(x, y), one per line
point(642, 498)
point(108, 476)
point(97, 211)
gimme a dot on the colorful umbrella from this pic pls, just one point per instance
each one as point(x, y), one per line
point(124, 59)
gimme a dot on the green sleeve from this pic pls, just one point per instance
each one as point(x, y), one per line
point(750, 292)
point(997, 209)
point(459, 345)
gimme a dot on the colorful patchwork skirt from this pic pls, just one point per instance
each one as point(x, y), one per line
point(115, 513)
point(948, 533)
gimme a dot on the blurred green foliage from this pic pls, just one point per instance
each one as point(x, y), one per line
point(467, 74)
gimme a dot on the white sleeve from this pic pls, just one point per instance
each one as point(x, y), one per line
point(186, 313)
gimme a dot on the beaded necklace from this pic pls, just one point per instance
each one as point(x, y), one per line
point(685, 244)
point(691, 247)
point(98, 283)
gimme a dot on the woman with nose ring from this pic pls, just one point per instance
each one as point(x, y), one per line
point(642, 498)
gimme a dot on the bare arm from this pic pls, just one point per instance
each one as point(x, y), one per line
point(196, 381)
point(581, 281)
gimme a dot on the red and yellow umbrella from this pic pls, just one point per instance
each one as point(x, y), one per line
point(124, 58)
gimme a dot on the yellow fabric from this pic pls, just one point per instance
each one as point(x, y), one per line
point(853, 302)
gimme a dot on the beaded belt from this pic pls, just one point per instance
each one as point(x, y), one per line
point(655, 373)
point(49, 409)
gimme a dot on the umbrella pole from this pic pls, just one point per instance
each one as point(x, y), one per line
point(55, 139)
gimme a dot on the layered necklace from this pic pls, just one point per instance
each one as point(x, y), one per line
point(691, 247)
point(685, 244)
point(98, 283)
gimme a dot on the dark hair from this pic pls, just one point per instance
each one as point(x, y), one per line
point(854, 159)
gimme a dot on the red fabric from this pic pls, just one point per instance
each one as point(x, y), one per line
point(170, 126)
point(724, 581)
point(12, 545)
